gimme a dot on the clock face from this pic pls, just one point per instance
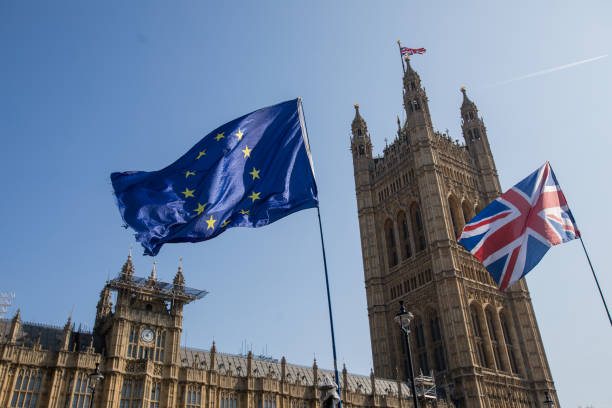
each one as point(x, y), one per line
point(147, 335)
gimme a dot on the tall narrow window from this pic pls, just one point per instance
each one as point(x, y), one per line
point(391, 247)
point(455, 215)
point(467, 211)
point(27, 385)
point(131, 393)
point(438, 345)
point(417, 227)
point(132, 342)
point(421, 346)
point(509, 344)
point(478, 341)
point(80, 391)
point(494, 342)
point(193, 396)
point(416, 104)
point(155, 394)
point(404, 235)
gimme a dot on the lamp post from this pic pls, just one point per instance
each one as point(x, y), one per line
point(94, 380)
point(403, 319)
point(548, 402)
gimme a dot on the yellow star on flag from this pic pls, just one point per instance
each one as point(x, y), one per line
point(255, 173)
point(225, 223)
point(239, 134)
point(220, 136)
point(211, 223)
point(202, 153)
point(189, 173)
point(247, 152)
point(200, 208)
point(188, 192)
point(244, 212)
point(255, 196)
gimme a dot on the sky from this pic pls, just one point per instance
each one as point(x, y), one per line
point(88, 88)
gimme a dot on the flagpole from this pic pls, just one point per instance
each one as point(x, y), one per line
point(596, 280)
point(329, 305)
point(399, 45)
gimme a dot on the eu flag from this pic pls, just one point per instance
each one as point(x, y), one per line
point(249, 172)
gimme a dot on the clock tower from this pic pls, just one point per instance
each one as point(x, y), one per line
point(141, 337)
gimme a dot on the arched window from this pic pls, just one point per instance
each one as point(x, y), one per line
point(421, 346)
point(404, 235)
point(438, 344)
point(456, 215)
point(493, 336)
point(476, 134)
point(478, 340)
point(417, 227)
point(467, 211)
point(509, 344)
point(391, 247)
point(416, 104)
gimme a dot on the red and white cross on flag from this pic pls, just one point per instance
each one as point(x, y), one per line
point(513, 233)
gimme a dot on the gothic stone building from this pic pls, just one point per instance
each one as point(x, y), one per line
point(481, 344)
point(136, 343)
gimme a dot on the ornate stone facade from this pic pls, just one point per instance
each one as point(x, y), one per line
point(482, 345)
point(136, 341)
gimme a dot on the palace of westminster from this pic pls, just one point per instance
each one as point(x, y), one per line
point(472, 345)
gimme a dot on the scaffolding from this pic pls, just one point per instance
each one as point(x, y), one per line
point(156, 288)
point(6, 300)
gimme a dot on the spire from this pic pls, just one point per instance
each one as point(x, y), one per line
point(127, 271)
point(68, 324)
point(415, 100)
point(361, 144)
point(467, 103)
point(179, 279)
point(153, 272)
point(359, 126)
point(15, 327)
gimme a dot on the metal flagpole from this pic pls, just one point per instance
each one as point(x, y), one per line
point(329, 306)
point(331, 319)
point(401, 56)
point(596, 281)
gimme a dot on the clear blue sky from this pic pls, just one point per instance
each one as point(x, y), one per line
point(94, 87)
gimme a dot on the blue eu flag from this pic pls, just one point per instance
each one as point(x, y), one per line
point(249, 172)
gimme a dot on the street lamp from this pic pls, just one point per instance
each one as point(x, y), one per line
point(94, 379)
point(403, 319)
point(548, 402)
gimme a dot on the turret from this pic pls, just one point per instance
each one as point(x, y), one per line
point(65, 339)
point(15, 327)
point(415, 100)
point(361, 145)
point(475, 135)
point(127, 271)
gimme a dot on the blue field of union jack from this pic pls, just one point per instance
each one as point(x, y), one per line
point(513, 233)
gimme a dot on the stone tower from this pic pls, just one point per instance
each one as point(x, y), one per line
point(142, 337)
point(481, 344)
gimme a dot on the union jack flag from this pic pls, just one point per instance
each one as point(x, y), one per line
point(513, 233)
point(411, 51)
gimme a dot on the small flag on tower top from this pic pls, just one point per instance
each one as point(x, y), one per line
point(512, 234)
point(411, 51)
